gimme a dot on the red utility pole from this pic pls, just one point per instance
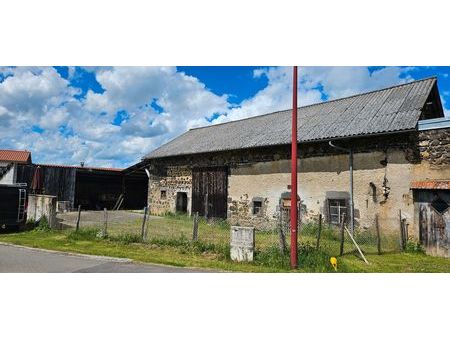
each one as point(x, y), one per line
point(294, 215)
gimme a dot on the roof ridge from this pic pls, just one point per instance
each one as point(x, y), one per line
point(75, 166)
point(314, 104)
point(19, 151)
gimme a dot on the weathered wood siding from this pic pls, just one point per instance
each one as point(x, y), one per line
point(93, 189)
point(434, 226)
point(56, 181)
point(210, 183)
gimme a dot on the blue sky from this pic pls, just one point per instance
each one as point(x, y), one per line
point(112, 116)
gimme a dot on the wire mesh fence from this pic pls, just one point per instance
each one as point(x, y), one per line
point(214, 234)
point(335, 239)
point(140, 226)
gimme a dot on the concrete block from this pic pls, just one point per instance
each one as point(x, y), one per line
point(42, 205)
point(242, 243)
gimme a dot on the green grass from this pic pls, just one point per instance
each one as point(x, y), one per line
point(169, 242)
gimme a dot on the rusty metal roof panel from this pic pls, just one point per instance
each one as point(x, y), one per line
point(391, 109)
point(431, 184)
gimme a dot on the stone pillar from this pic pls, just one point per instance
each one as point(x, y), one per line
point(242, 243)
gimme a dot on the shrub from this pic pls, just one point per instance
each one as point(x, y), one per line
point(414, 247)
point(43, 224)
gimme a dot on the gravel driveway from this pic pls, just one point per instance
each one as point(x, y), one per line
point(96, 218)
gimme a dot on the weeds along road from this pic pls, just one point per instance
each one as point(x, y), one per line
point(21, 259)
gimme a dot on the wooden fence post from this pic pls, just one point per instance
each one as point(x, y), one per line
point(377, 226)
point(105, 224)
point(146, 224)
point(402, 230)
point(78, 218)
point(206, 206)
point(281, 236)
point(341, 249)
point(195, 227)
point(143, 223)
point(319, 230)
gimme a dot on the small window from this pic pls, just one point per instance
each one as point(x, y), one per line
point(257, 206)
point(336, 208)
point(163, 194)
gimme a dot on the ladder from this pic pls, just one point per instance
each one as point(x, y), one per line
point(22, 202)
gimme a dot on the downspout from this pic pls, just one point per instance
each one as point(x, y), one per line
point(350, 164)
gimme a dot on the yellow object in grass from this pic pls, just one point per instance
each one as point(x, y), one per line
point(333, 262)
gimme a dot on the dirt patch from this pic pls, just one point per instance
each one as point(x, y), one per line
point(96, 218)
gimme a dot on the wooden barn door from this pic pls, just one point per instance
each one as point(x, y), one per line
point(434, 221)
point(210, 191)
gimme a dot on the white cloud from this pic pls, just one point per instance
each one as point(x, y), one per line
point(335, 82)
point(444, 102)
point(39, 96)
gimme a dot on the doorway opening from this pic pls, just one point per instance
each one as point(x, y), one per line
point(181, 206)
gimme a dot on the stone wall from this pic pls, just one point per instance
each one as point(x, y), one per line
point(381, 185)
point(164, 184)
point(435, 147)
point(384, 166)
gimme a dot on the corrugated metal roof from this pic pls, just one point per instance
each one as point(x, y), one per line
point(16, 156)
point(439, 123)
point(431, 184)
point(392, 109)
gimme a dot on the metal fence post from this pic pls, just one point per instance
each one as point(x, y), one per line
point(78, 218)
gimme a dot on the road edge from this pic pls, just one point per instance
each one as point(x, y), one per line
point(67, 253)
point(111, 259)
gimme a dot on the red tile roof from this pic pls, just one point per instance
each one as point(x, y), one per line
point(79, 167)
point(18, 156)
point(431, 184)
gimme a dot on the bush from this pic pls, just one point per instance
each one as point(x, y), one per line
point(414, 247)
point(43, 224)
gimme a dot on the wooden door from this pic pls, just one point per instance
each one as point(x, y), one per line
point(210, 191)
point(434, 222)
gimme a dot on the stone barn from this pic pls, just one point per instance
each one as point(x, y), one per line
point(240, 170)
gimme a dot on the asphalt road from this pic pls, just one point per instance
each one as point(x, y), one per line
point(21, 259)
